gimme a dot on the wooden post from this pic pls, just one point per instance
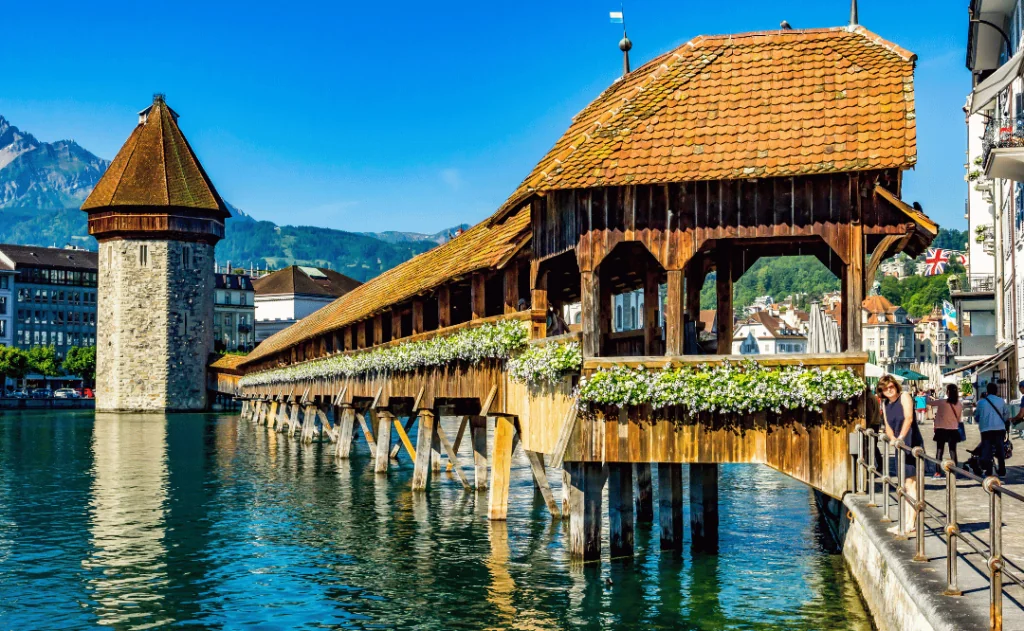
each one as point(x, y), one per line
point(590, 295)
point(670, 505)
point(586, 484)
point(417, 316)
point(346, 416)
point(704, 507)
point(723, 288)
point(478, 296)
point(383, 454)
point(396, 324)
point(360, 335)
point(378, 329)
point(694, 283)
point(652, 341)
point(478, 435)
point(511, 279)
point(853, 290)
point(539, 299)
point(347, 334)
point(620, 509)
point(424, 437)
point(541, 484)
point(435, 449)
point(444, 306)
point(675, 329)
point(501, 467)
point(644, 493)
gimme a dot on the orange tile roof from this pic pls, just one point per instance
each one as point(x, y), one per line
point(483, 246)
point(156, 167)
point(766, 104)
point(228, 363)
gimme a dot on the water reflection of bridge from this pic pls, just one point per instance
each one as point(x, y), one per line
point(708, 158)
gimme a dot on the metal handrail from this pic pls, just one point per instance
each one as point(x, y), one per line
point(994, 560)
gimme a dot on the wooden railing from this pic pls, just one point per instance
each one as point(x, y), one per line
point(852, 360)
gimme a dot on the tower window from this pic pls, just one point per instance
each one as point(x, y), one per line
point(110, 255)
point(186, 257)
point(143, 255)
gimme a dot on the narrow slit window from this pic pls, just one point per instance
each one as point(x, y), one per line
point(144, 255)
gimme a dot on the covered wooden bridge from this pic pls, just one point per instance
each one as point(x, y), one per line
point(725, 150)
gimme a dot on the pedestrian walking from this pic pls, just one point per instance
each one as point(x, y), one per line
point(898, 412)
point(992, 421)
point(920, 405)
point(948, 420)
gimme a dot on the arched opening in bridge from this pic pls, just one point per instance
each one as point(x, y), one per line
point(631, 297)
point(556, 291)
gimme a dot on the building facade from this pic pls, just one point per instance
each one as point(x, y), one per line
point(764, 334)
point(50, 299)
point(990, 300)
point(157, 218)
point(234, 313)
point(288, 295)
point(7, 311)
point(888, 333)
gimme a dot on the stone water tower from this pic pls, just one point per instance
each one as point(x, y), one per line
point(157, 218)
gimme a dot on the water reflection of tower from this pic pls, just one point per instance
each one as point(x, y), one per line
point(127, 525)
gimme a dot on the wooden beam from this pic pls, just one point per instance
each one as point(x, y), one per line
point(360, 335)
point(587, 482)
point(620, 509)
point(675, 327)
point(444, 306)
point(478, 436)
point(367, 433)
point(644, 493)
point(565, 434)
point(453, 458)
point(704, 507)
point(478, 296)
point(540, 477)
point(346, 421)
point(383, 451)
point(378, 329)
point(511, 283)
point(723, 287)
point(403, 435)
point(853, 289)
point(424, 437)
point(501, 468)
point(417, 316)
point(396, 324)
point(670, 505)
point(652, 340)
point(590, 294)
point(539, 299)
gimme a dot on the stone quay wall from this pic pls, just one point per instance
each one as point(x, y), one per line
point(154, 325)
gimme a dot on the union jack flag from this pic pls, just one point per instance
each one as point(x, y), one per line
point(935, 261)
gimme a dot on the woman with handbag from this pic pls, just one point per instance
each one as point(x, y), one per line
point(948, 424)
point(898, 412)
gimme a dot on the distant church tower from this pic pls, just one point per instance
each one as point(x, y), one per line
point(157, 217)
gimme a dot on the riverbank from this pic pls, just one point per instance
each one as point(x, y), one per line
point(11, 403)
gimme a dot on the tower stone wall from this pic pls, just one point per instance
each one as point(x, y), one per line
point(154, 324)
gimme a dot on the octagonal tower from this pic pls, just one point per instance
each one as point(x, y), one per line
point(157, 218)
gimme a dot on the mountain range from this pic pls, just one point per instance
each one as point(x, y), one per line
point(43, 185)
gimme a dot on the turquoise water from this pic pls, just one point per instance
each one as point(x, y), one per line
point(203, 522)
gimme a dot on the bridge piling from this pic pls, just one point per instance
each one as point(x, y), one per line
point(586, 484)
point(620, 509)
point(704, 507)
point(424, 438)
point(644, 493)
point(384, 422)
point(478, 435)
point(670, 505)
point(501, 466)
point(346, 416)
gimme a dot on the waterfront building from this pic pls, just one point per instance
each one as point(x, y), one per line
point(234, 313)
point(990, 299)
point(765, 334)
point(51, 297)
point(6, 304)
point(888, 333)
point(157, 218)
point(931, 342)
point(288, 295)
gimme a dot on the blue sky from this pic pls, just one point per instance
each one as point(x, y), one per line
point(408, 115)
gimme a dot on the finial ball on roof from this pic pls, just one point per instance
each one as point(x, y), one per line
point(625, 45)
point(785, 26)
point(158, 97)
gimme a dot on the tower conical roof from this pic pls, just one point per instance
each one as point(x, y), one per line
point(156, 167)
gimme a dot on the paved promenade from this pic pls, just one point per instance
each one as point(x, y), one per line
point(973, 517)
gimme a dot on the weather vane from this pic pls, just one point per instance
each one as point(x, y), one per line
point(624, 44)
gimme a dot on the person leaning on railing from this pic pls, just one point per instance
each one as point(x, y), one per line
point(898, 412)
point(992, 421)
point(948, 415)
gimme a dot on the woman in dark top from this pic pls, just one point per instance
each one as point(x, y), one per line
point(898, 412)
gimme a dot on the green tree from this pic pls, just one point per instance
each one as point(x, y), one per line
point(13, 364)
point(43, 360)
point(81, 361)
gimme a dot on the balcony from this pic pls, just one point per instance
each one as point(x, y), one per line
point(1003, 148)
point(976, 346)
point(973, 284)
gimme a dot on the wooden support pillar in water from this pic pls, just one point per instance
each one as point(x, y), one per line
point(541, 484)
point(346, 416)
point(620, 509)
point(670, 505)
point(478, 436)
point(384, 421)
point(424, 438)
point(435, 449)
point(501, 467)
point(704, 507)
point(586, 482)
point(644, 493)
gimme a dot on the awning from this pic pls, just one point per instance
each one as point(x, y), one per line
point(982, 364)
point(996, 82)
